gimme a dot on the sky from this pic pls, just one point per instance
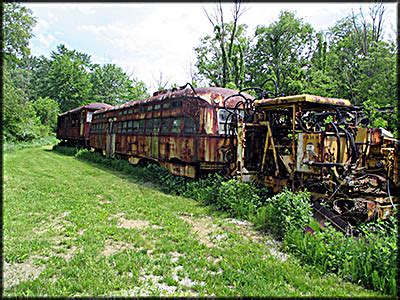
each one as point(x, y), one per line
point(150, 39)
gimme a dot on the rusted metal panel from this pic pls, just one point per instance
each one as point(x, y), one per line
point(175, 142)
point(296, 99)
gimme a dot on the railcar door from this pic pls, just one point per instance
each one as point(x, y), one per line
point(110, 138)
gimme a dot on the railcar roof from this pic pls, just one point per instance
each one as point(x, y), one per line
point(212, 95)
point(305, 98)
point(90, 106)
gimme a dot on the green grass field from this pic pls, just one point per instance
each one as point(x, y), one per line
point(72, 228)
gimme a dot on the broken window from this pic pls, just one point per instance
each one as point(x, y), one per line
point(176, 126)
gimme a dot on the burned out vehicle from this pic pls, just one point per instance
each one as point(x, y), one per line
point(324, 145)
point(182, 130)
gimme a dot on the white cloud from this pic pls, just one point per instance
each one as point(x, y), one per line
point(84, 8)
point(46, 40)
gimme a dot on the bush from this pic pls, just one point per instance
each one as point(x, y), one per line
point(70, 151)
point(239, 199)
point(204, 190)
point(288, 211)
point(369, 259)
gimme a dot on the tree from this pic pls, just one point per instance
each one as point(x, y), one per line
point(282, 52)
point(47, 110)
point(17, 30)
point(68, 81)
point(19, 118)
point(111, 85)
point(363, 65)
point(137, 90)
point(220, 57)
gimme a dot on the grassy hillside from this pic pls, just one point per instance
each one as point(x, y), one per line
point(73, 228)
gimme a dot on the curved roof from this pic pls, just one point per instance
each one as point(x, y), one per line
point(90, 106)
point(212, 95)
point(302, 99)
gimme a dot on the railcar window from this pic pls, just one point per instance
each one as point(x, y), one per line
point(129, 124)
point(141, 109)
point(136, 110)
point(156, 125)
point(224, 120)
point(189, 125)
point(176, 104)
point(135, 126)
point(157, 107)
point(166, 105)
point(119, 127)
point(165, 125)
point(141, 126)
point(149, 125)
point(176, 126)
point(149, 108)
point(130, 111)
point(89, 117)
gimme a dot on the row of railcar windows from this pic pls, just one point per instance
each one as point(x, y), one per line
point(142, 109)
point(165, 125)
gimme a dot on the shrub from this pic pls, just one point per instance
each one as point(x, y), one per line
point(11, 146)
point(288, 211)
point(70, 151)
point(204, 190)
point(239, 199)
point(369, 259)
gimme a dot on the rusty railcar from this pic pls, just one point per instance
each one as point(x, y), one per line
point(324, 145)
point(73, 126)
point(184, 130)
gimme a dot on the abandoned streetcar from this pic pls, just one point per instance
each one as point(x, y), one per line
point(301, 141)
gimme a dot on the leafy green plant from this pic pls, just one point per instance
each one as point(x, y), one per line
point(239, 199)
point(288, 210)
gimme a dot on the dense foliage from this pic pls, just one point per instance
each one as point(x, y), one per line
point(37, 89)
point(350, 60)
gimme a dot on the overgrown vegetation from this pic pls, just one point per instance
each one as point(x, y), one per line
point(11, 146)
point(72, 228)
point(369, 259)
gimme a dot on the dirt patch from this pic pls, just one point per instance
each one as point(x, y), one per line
point(111, 247)
point(129, 224)
point(245, 229)
point(68, 255)
point(202, 227)
point(59, 240)
point(103, 199)
point(16, 273)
